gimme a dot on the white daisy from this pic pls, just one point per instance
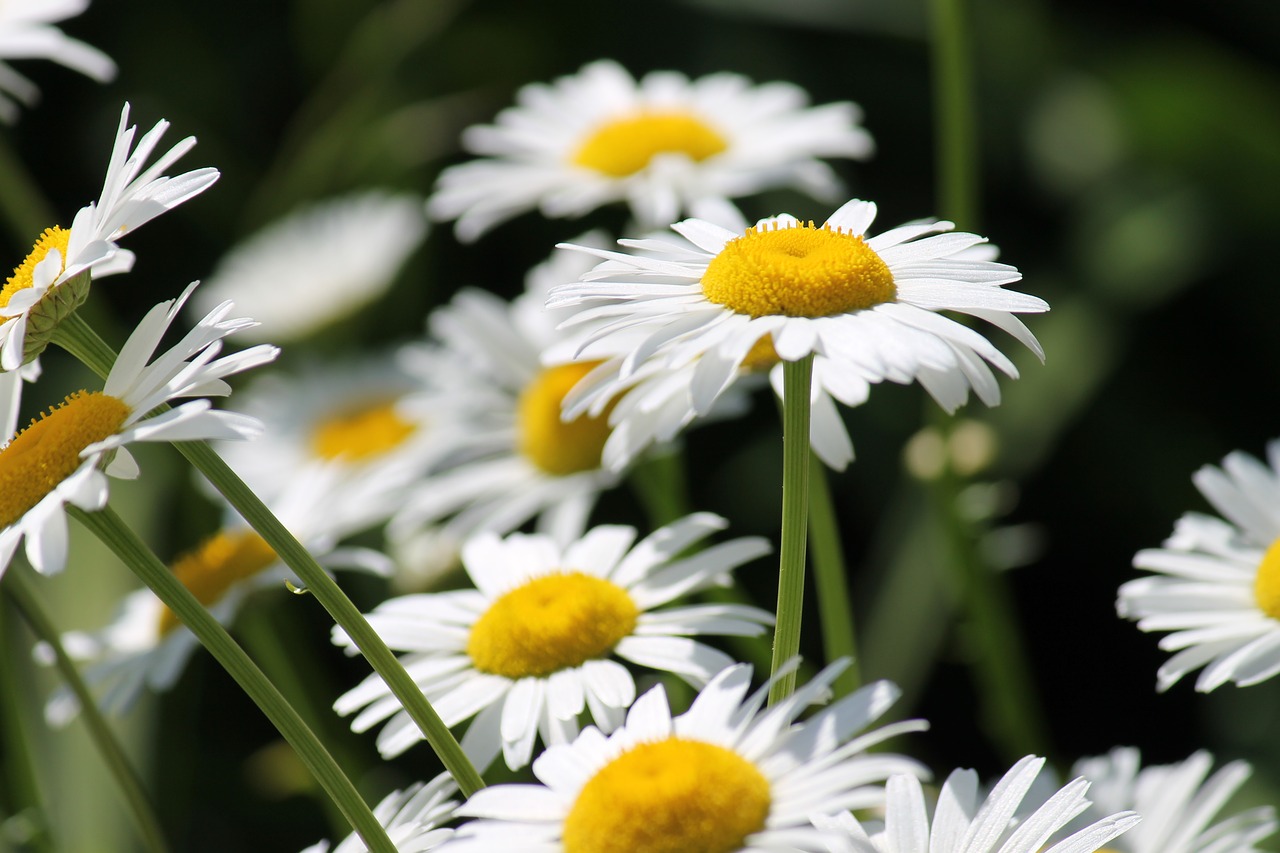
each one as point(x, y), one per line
point(965, 822)
point(867, 308)
point(1217, 586)
point(413, 818)
point(145, 646)
point(535, 643)
point(318, 265)
point(64, 457)
point(27, 32)
point(724, 776)
point(665, 145)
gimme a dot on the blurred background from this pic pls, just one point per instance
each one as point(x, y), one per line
point(1130, 157)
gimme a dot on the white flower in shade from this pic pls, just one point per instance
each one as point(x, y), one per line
point(535, 643)
point(665, 145)
point(1177, 803)
point(965, 822)
point(866, 307)
point(1217, 587)
point(413, 818)
point(318, 265)
point(724, 776)
point(64, 457)
point(146, 647)
point(27, 32)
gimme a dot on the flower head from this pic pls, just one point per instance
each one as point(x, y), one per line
point(27, 32)
point(413, 817)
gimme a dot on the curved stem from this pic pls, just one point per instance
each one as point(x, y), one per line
point(23, 802)
point(835, 608)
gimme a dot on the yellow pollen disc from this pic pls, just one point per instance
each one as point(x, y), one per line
point(215, 565)
point(761, 356)
point(48, 451)
point(1266, 586)
point(625, 146)
point(360, 433)
point(801, 271)
point(552, 445)
point(671, 796)
point(549, 624)
point(52, 238)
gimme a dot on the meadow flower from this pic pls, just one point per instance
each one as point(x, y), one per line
point(665, 145)
point(318, 265)
point(536, 642)
point(65, 456)
point(27, 32)
point(1217, 581)
point(724, 776)
point(413, 818)
point(966, 822)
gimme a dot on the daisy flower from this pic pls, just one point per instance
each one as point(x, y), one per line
point(535, 643)
point(145, 646)
point(1217, 582)
point(665, 145)
point(413, 818)
point(27, 32)
point(724, 776)
point(65, 456)
point(318, 265)
point(867, 307)
point(963, 822)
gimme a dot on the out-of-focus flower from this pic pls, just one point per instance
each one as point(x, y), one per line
point(27, 32)
point(413, 818)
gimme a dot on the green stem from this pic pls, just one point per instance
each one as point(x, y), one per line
point(797, 377)
point(75, 336)
point(955, 127)
point(113, 754)
point(22, 204)
point(659, 483)
point(23, 794)
point(126, 544)
point(835, 608)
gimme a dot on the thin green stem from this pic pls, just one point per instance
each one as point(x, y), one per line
point(126, 545)
point(22, 204)
point(955, 131)
point(23, 790)
point(835, 607)
point(659, 483)
point(19, 591)
point(797, 377)
point(75, 336)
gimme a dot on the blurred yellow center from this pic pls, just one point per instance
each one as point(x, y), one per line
point(360, 433)
point(52, 238)
point(215, 565)
point(1266, 586)
point(761, 356)
point(549, 624)
point(48, 451)
point(557, 447)
point(801, 271)
point(626, 145)
point(670, 796)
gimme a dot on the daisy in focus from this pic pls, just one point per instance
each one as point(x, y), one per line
point(666, 145)
point(964, 822)
point(413, 818)
point(537, 641)
point(318, 265)
point(1216, 585)
point(65, 456)
point(724, 776)
point(27, 31)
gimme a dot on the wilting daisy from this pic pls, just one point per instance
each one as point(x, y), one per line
point(145, 646)
point(536, 642)
point(318, 265)
point(53, 280)
point(665, 145)
point(724, 776)
point(27, 32)
point(1218, 582)
point(413, 818)
point(966, 822)
point(62, 458)
point(867, 307)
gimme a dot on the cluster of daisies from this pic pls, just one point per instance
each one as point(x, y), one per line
point(486, 444)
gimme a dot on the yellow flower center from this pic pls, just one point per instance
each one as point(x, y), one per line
point(800, 271)
point(48, 450)
point(362, 432)
point(549, 624)
point(557, 447)
point(215, 565)
point(670, 796)
point(52, 238)
point(625, 146)
point(1266, 586)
